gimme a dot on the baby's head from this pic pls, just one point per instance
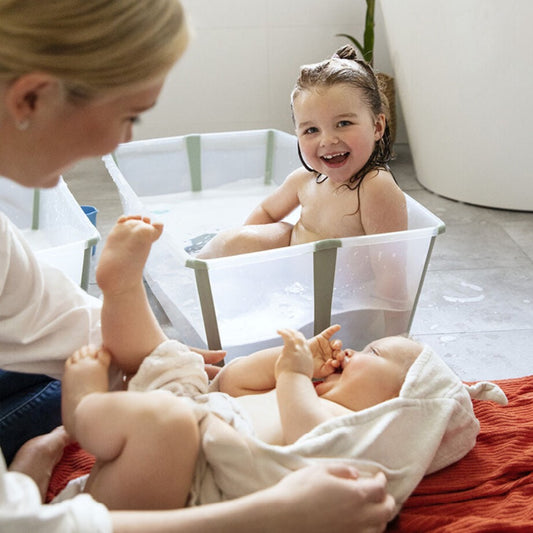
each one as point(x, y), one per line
point(373, 375)
point(408, 373)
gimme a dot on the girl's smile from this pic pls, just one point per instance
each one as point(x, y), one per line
point(335, 160)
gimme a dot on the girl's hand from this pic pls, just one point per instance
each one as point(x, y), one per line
point(295, 355)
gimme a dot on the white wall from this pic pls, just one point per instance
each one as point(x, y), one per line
point(241, 65)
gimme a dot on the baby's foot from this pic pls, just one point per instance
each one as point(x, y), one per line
point(86, 371)
point(125, 253)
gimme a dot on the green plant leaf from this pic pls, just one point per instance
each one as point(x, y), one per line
point(367, 48)
point(354, 41)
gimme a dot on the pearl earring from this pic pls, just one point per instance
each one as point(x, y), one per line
point(23, 125)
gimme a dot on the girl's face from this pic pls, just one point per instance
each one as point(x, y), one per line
point(336, 130)
point(373, 375)
point(60, 133)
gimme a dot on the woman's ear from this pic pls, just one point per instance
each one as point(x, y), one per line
point(379, 126)
point(27, 94)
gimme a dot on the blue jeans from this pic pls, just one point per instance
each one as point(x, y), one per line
point(30, 405)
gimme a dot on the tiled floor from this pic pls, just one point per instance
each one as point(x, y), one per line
point(476, 306)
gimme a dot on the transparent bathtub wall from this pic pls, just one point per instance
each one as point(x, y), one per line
point(200, 184)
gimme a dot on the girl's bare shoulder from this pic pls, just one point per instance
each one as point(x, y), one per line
point(378, 177)
point(379, 183)
point(301, 175)
point(383, 204)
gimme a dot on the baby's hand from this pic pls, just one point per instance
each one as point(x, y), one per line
point(295, 355)
point(327, 353)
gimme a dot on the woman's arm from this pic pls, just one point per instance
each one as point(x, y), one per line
point(315, 499)
point(321, 497)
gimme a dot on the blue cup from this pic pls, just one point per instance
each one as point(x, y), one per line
point(91, 213)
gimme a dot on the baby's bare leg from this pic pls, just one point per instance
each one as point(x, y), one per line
point(129, 328)
point(85, 373)
point(246, 239)
point(125, 253)
point(146, 444)
point(147, 457)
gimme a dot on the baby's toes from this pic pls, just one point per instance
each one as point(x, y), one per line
point(103, 356)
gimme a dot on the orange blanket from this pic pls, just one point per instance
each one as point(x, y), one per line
point(75, 463)
point(489, 490)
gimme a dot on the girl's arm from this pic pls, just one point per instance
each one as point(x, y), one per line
point(383, 207)
point(299, 406)
point(281, 202)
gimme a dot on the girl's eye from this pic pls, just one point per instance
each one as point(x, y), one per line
point(310, 130)
point(344, 123)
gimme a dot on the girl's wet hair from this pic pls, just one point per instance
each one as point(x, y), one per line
point(346, 68)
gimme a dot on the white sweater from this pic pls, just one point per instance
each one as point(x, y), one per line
point(44, 317)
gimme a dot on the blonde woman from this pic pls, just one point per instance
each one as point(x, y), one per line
point(74, 78)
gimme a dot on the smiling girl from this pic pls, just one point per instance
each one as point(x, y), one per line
point(344, 187)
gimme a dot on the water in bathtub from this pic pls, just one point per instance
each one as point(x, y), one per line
point(191, 218)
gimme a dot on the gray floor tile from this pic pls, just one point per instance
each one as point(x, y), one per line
point(450, 211)
point(461, 301)
point(476, 245)
point(90, 183)
point(485, 355)
point(522, 233)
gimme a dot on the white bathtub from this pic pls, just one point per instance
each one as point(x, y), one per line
point(200, 184)
point(464, 78)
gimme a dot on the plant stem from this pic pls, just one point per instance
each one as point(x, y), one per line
point(369, 32)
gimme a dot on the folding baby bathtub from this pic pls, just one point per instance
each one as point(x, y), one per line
point(200, 184)
point(54, 224)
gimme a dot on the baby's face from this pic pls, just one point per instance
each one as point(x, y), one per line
point(372, 375)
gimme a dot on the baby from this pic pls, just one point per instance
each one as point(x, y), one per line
point(172, 440)
point(344, 187)
point(275, 385)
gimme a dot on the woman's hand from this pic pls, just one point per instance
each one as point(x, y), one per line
point(211, 357)
point(333, 497)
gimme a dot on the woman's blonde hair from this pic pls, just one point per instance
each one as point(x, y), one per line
point(92, 45)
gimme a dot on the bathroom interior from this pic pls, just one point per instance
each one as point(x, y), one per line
point(476, 304)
